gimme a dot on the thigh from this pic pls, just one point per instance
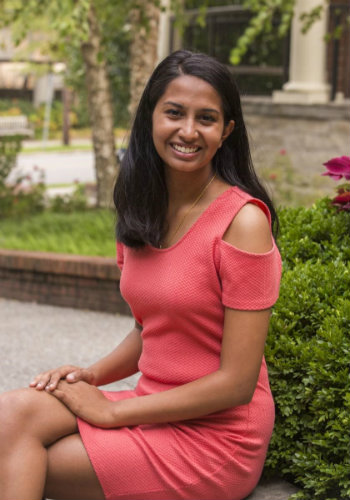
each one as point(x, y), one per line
point(70, 474)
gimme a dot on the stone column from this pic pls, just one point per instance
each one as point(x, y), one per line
point(164, 31)
point(307, 70)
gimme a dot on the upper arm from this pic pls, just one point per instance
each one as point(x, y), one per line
point(242, 348)
point(245, 331)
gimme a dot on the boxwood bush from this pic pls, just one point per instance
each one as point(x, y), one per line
point(308, 354)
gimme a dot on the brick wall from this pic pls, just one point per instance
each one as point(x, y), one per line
point(62, 280)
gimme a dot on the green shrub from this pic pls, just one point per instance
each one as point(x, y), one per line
point(22, 196)
point(17, 202)
point(320, 232)
point(9, 147)
point(308, 351)
point(72, 202)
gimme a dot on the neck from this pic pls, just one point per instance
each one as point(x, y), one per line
point(183, 187)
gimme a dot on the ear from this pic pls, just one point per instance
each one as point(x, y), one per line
point(227, 131)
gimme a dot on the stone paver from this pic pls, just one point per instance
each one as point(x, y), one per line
point(34, 338)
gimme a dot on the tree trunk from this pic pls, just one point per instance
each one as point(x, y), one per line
point(143, 48)
point(101, 113)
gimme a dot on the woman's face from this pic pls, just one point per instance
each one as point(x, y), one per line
point(188, 124)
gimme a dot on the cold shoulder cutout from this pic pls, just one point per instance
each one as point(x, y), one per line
point(250, 230)
point(250, 279)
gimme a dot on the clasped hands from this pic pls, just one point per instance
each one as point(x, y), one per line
point(74, 387)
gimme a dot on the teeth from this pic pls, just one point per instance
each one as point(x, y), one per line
point(182, 149)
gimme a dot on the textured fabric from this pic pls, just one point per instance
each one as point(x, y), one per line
point(178, 295)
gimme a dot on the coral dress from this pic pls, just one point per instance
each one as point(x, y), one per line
point(178, 294)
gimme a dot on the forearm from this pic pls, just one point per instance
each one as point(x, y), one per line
point(121, 362)
point(211, 393)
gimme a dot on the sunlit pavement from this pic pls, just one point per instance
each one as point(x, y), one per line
point(34, 338)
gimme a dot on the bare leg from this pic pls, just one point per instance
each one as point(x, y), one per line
point(30, 421)
point(70, 474)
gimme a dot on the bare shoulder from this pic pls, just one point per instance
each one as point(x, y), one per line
point(250, 230)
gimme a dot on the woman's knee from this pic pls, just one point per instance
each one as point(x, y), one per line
point(16, 408)
point(28, 411)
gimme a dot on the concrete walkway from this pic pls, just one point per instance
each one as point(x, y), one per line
point(34, 338)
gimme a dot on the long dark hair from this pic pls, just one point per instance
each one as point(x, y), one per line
point(140, 193)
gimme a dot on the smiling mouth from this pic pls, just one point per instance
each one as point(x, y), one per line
point(185, 149)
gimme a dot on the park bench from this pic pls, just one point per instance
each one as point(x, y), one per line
point(15, 126)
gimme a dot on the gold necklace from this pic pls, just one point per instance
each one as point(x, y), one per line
point(191, 208)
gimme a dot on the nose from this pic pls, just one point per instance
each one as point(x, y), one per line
point(188, 132)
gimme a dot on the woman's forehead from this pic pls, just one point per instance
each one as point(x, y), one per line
point(187, 90)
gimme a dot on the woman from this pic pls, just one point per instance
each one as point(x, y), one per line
point(200, 271)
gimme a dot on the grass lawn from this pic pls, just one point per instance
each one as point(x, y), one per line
point(81, 233)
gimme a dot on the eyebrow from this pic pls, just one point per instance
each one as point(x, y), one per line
point(180, 106)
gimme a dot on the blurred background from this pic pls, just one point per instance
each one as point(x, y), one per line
point(71, 75)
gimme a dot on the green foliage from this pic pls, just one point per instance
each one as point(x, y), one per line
point(70, 202)
point(308, 18)
point(9, 147)
point(118, 67)
point(261, 22)
point(21, 198)
point(319, 233)
point(307, 353)
point(91, 232)
point(37, 116)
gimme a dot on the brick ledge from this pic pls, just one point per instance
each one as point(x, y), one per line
point(66, 280)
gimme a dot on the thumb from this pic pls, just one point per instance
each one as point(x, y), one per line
point(74, 376)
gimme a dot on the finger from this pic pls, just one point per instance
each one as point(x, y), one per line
point(42, 382)
point(80, 375)
point(52, 383)
point(36, 380)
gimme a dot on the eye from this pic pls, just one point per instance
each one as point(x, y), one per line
point(205, 118)
point(173, 113)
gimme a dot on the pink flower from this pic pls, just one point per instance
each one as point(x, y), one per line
point(283, 152)
point(338, 168)
point(342, 198)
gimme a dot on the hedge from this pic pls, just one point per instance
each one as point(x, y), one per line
point(308, 354)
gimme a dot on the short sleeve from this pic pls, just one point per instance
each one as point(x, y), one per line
point(250, 281)
point(120, 255)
